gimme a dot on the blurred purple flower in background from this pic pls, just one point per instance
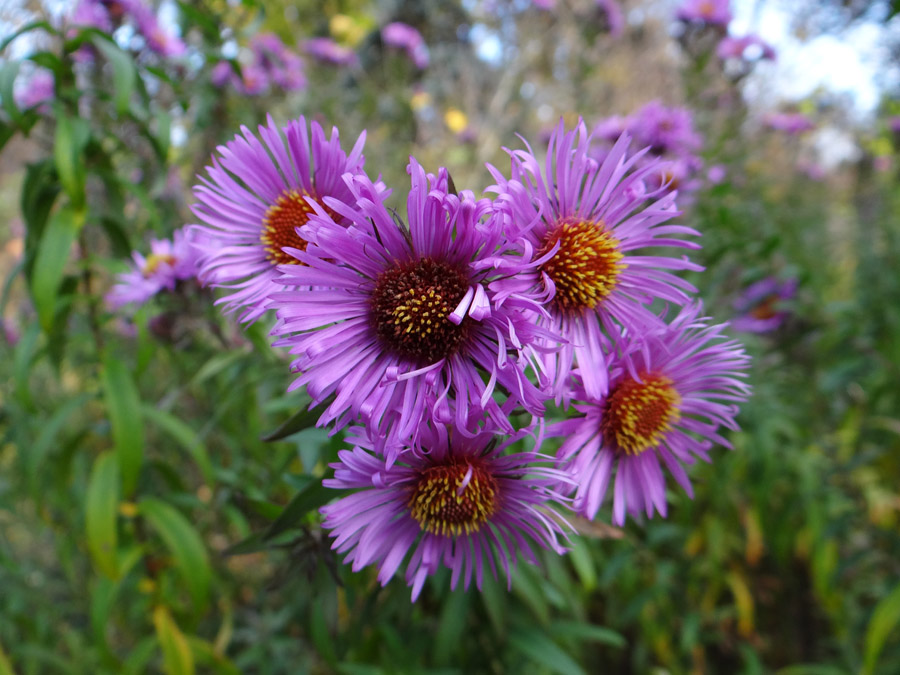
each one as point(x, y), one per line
point(92, 14)
point(158, 40)
point(169, 262)
point(761, 306)
point(327, 50)
point(749, 47)
point(282, 66)
point(406, 37)
point(615, 20)
point(35, 90)
point(713, 12)
point(790, 123)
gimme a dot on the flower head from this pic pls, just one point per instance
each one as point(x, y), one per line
point(282, 66)
point(36, 90)
point(329, 51)
point(256, 196)
point(454, 501)
point(760, 307)
point(790, 123)
point(670, 391)
point(169, 262)
point(579, 224)
point(406, 37)
point(158, 39)
point(398, 324)
point(712, 12)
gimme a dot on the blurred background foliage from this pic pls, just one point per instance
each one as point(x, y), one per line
point(157, 504)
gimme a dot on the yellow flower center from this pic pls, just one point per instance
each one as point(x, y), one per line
point(586, 267)
point(154, 260)
point(637, 415)
point(290, 211)
point(455, 498)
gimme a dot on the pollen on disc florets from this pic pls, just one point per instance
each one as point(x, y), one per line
point(280, 223)
point(454, 499)
point(586, 266)
point(154, 260)
point(410, 306)
point(637, 415)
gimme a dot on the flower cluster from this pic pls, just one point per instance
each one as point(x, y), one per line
point(438, 337)
point(105, 15)
point(271, 63)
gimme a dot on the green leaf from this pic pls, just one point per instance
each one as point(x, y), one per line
point(124, 73)
point(881, 626)
point(8, 73)
point(541, 649)
point(587, 632)
point(185, 436)
point(185, 545)
point(311, 497)
point(101, 510)
point(124, 407)
point(178, 659)
point(23, 356)
point(252, 544)
point(27, 28)
point(5, 665)
point(71, 137)
point(50, 262)
point(207, 655)
point(47, 438)
point(301, 420)
point(450, 630)
point(812, 669)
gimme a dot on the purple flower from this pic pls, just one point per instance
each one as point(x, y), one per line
point(670, 391)
point(455, 502)
point(406, 37)
point(169, 262)
point(790, 123)
point(713, 12)
point(667, 130)
point(92, 14)
point(398, 324)
point(578, 223)
point(255, 199)
point(759, 307)
point(716, 174)
point(744, 48)
point(38, 89)
point(329, 51)
point(158, 40)
point(283, 67)
point(615, 20)
point(894, 124)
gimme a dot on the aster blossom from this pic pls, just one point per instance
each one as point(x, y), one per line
point(578, 223)
point(256, 196)
point(670, 392)
point(761, 307)
point(404, 36)
point(453, 501)
point(712, 12)
point(169, 262)
point(398, 323)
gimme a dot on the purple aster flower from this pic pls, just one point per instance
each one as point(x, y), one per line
point(615, 20)
point(790, 123)
point(579, 224)
point(92, 14)
point(169, 262)
point(404, 36)
point(284, 67)
point(748, 47)
point(713, 12)
point(717, 174)
point(158, 39)
point(667, 130)
point(760, 306)
point(455, 501)
point(894, 124)
point(670, 391)
point(255, 199)
point(398, 324)
point(329, 51)
point(38, 89)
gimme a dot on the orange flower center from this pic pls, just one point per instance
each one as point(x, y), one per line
point(637, 415)
point(290, 211)
point(586, 267)
point(455, 498)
